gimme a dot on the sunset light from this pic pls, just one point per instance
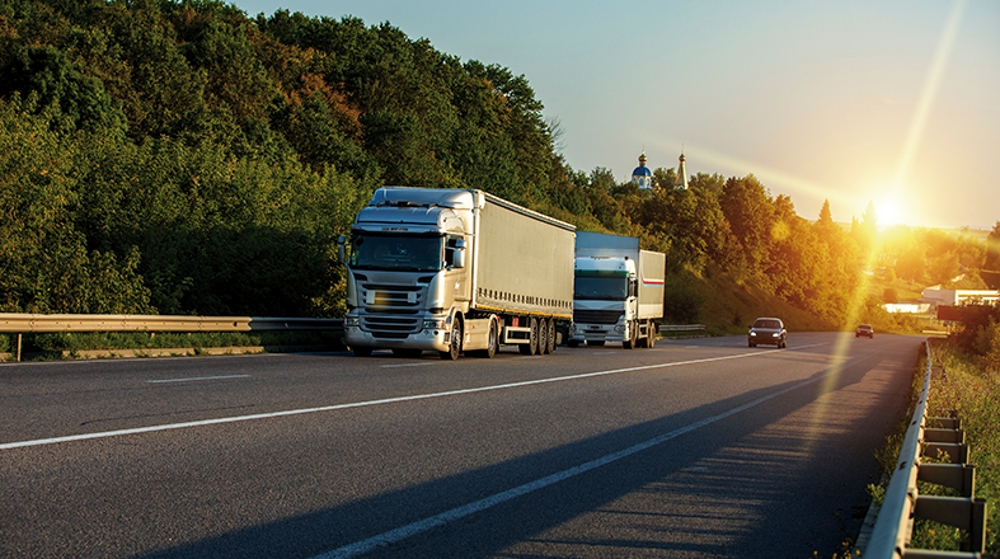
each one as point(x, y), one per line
point(893, 209)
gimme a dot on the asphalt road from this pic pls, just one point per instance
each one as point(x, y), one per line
point(698, 448)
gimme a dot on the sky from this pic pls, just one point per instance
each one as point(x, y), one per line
point(895, 103)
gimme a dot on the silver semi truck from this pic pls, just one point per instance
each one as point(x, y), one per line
point(618, 292)
point(453, 270)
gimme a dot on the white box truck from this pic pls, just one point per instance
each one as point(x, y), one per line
point(453, 270)
point(618, 291)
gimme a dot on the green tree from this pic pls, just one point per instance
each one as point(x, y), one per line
point(748, 208)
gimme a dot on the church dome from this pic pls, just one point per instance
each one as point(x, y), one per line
point(642, 176)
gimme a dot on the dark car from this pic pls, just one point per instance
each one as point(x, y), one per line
point(768, 331)
point(864, 330)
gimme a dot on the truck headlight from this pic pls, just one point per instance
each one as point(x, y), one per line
point(434, 323)
point(352, 322)
point(620, 328)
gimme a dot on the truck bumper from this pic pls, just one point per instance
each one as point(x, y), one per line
point(596, 332)
point(430, 340)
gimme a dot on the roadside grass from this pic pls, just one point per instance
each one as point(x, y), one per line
point(972, 391)
point(46, 346)
point(726, 306)
point(960, 385)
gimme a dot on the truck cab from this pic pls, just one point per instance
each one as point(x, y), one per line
point(407, 273)
point(604, 300)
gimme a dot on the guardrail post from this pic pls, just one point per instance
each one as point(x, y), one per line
point(967, 514)
point(960, 477)
point(18, 347)
point(956, 453)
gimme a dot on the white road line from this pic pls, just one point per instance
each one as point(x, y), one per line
point(271, 415)
point(398, 365)
point(192, 379)
point(403, 532)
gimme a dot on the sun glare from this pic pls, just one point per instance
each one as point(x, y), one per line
point(890, 211)
point(893, 206)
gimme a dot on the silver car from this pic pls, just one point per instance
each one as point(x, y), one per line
point(769, 331)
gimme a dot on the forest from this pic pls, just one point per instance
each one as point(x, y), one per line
point(182, 157)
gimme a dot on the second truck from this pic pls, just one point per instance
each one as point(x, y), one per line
point(453, 270)
point(618, 291)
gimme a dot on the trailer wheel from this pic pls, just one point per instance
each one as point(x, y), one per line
point(543, 337)
point(530, 348)
point(550, 342)
point(455, 344)
point(651, 337)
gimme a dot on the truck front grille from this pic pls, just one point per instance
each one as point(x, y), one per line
point(581, 316)
point(391, 310)
point(390, 326)
point(384, 297)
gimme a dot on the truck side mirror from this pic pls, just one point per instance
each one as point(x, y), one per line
point(457, 253)
point(341, 252)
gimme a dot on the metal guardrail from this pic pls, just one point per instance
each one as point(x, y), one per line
point(902, 503)
point(24, 323)
point(681, 327)
point(17, 323)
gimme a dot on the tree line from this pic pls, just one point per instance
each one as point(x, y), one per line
point(182, 157)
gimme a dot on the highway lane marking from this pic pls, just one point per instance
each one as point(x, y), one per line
point(194, 379)
point(404, 532)
point(398, 365)
point(397, 399)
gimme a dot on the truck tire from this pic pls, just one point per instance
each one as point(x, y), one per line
point(530, 348)
point(543, 337)
point(550, 345)
point(455, 342)
point(630, 343)
point(492, 344)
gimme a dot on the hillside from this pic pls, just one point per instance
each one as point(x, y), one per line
point(180, 157)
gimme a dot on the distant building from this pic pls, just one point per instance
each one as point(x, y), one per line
point(642, 176)
point(681, 182)
point(907, 308)
point(957, 297)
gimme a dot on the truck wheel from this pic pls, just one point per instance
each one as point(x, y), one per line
point(631, 341)
point(551, 340)
point(651, 338)
point(543, 337)
point(455, 344)
point(491, 344)
point(362, 351)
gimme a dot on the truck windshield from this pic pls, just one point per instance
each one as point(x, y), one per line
point(397, 252)
point(600, 286)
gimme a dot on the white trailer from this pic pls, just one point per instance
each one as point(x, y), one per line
point(453, 270)
point(618, 292)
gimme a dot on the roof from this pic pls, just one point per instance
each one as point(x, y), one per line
point(642, 171)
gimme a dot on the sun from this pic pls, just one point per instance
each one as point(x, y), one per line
point(891, 210)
